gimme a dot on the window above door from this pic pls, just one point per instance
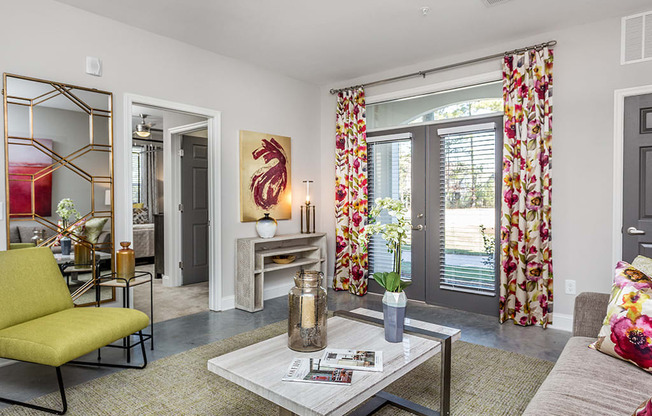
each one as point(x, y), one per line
point(472, 101)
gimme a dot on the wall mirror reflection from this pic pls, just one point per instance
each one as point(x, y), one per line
point(59, 147)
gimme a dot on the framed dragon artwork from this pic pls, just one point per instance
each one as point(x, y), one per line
point(265, 172)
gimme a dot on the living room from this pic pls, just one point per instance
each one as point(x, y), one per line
point(270, 68)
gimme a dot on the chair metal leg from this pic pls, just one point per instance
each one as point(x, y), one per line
point(64, 403)
point(137, 367)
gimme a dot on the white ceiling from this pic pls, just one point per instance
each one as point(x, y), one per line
point(335, 40)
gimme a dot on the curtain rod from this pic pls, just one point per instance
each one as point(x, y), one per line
point(445, 67)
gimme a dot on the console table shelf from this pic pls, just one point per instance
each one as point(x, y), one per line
point(254, 256)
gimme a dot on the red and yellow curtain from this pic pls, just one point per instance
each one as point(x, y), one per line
point(351, 204)
point(526, 255)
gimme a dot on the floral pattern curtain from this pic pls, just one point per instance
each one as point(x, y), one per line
point(526, 256)
point(351, 193)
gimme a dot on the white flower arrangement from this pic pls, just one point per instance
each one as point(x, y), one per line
point(66, 210)
point(395, 234)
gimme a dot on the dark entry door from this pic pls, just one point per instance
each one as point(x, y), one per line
point(194, 216)
point(464, 189)
point(397, 166)
point(637, 176)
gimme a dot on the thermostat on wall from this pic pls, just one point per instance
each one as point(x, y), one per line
point(93, 66)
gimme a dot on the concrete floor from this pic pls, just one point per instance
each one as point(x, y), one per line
point(22, 381)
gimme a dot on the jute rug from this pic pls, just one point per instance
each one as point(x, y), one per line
point(485, 382)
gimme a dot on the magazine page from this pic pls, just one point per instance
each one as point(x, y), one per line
point(309, 370)
point(353, 359)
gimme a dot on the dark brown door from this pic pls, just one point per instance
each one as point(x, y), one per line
point(194, 216)
point(637, 176)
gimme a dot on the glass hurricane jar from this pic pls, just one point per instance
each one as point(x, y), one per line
point(308, 306)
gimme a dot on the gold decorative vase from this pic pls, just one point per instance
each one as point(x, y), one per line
point(308, 305)
point(82, 255)
point(126, 261)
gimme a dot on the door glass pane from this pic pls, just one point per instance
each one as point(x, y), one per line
point(390, 175)
point(468, 208)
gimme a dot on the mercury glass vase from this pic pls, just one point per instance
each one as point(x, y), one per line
point(308, 306)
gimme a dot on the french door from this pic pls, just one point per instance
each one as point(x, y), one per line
point(450, 175)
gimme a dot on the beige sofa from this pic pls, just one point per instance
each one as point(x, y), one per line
point(588, 382)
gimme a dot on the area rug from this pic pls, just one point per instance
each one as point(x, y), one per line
point(485, 381)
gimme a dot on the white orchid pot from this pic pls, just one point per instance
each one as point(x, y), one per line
point(394, 306)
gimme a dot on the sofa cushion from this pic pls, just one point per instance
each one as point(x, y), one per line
point(60, 337)
point(93, 228)
point(587, 382)
point(627, 330)
point(27, 232)
point(644, 264)
point(645, 409)
point(31, 286)
point(14, 234)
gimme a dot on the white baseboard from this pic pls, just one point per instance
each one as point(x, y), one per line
point(4, 362)
point(228, 302)
point(562, 321)
point(170, 281)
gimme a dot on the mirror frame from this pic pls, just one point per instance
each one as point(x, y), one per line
point(58, 161)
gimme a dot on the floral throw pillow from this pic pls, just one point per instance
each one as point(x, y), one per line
point(627, 330)
point(645, 409)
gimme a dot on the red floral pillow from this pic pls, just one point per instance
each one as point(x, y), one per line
point(627, 330)
point(645, 409)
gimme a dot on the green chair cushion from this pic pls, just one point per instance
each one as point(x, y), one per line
point(31, 286)
point(60, 337)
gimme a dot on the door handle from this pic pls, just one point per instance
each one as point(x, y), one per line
point(635, 231)
point(418, 227)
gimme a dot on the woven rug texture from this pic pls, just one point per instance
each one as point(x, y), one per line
point(485, 382)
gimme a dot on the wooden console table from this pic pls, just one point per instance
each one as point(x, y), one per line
point(254, 257)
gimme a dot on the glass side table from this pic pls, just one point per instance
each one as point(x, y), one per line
point(139, 278)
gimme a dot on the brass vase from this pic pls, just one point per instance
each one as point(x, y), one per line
point(308, 305)
point(126, 261)
point(82, 255)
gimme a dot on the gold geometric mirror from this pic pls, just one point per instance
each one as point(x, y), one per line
point(59, 170)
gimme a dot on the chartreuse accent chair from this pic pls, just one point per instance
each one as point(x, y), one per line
point(39, 323)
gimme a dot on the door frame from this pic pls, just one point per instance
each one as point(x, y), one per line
point(172, 186)
point(618, 151)
point(123, 194)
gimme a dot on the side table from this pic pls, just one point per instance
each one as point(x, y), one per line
point(139, 278)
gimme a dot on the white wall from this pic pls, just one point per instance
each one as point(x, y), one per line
point(248, 97)
point(586, 72)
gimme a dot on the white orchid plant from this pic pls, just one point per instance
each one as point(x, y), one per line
point(66, 210)
point(395, 234)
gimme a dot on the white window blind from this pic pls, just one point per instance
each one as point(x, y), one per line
point(467, 211)
point(389, 175)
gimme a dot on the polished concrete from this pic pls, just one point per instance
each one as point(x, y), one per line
point(22, 381)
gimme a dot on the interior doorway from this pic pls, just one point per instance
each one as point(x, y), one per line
point(157, 133)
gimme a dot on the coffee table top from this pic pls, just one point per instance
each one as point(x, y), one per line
point(260, 367)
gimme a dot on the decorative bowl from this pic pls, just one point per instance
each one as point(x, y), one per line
point(284, 259)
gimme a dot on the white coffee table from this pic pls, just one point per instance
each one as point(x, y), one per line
point(260, 367)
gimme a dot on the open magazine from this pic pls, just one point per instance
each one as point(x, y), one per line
point(309, 370)
point(353, 359)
